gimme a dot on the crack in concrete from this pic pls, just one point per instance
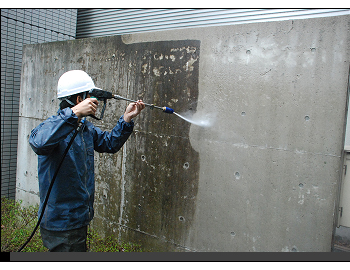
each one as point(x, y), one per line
point(157, 237)
point(29, 191)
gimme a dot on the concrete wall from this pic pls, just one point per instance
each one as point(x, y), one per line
point(263, 177)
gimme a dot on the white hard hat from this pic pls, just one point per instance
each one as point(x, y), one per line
point(73, 82)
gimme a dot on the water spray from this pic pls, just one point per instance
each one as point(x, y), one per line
point(198, 122)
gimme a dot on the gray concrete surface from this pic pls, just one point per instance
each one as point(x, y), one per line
point(263, 177)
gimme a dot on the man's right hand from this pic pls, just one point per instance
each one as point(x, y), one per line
point(86, 107)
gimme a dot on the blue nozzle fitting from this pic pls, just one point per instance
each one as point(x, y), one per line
point(168, 110)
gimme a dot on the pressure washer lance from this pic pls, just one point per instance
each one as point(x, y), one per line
point(104, 95)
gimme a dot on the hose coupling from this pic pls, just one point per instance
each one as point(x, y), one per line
point(167, 110)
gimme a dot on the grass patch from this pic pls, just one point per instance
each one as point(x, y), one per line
point(96, 243)
point(18, 222)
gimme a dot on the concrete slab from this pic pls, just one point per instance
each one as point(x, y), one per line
point(263, 177)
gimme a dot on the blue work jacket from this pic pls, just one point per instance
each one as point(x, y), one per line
point(70, 204)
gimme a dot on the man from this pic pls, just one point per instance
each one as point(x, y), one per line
point(70, 206)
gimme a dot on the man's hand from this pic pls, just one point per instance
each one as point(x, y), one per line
point(85, 108)
point(133, 110)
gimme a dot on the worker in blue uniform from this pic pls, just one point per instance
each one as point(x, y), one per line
point(70, 205)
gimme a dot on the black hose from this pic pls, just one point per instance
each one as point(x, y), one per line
point(81, 126)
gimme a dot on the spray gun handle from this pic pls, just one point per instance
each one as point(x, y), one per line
point(102, 112)
point(100, 94)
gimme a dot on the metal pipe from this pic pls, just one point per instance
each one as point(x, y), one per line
point(164, 109)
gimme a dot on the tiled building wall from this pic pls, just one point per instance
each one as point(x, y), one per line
point(20, 27)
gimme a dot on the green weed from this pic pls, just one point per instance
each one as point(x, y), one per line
point(18, 222)
point(108, 244)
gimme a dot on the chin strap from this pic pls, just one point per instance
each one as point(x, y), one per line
point(69, 102)
point(72, 103)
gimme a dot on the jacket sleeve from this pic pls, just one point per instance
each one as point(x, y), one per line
point(45, 137)
point(111, 142)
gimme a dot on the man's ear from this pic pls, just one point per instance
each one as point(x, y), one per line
point(79, 99)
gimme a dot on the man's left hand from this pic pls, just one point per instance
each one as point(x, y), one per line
point(133, 110)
